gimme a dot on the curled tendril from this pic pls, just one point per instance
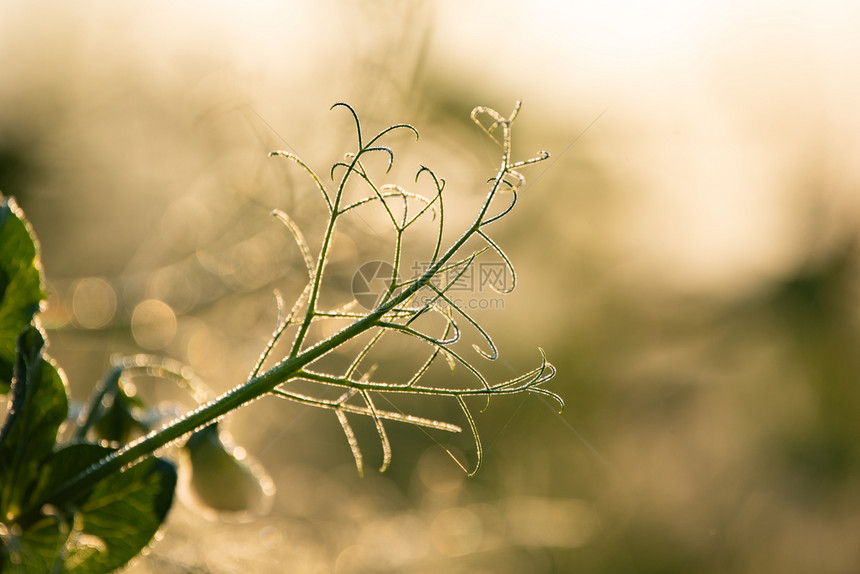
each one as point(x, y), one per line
point(300, 240)
point(314, 176)
point(354, 117)
point(440, 183)
point(498, 122)
point(385, 150)
point(400, 309)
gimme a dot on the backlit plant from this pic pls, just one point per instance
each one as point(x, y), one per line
point(82, 494)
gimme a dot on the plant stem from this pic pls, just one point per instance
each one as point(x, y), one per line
point(215, 409)
point(198, 418)
point(282, 372)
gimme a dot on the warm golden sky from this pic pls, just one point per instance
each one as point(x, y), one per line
point(713, 113)
point(722, 109)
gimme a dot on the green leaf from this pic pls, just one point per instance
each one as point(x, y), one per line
point(39, 406)
point(36, 550)
point(104, 532)
point(65, 464)
point(120, 518)
point(20, 283)
point(122, 419)
point(222, 483)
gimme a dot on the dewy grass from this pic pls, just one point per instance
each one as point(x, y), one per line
point(396, 314)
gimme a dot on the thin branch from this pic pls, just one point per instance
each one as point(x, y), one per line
point(300, 240)
point(312, 173)
point(364, 411)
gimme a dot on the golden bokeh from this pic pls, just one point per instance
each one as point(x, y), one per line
point(687, 258)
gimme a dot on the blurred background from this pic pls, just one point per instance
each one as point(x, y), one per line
point(687, 258)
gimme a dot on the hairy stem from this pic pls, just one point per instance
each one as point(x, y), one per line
point(215, 409)
point(293, 366)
